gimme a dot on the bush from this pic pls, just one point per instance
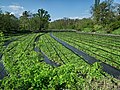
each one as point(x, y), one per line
point(97, 27)
point(1, 34)
point(113, 26)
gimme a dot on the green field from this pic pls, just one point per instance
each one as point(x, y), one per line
point(24, 59)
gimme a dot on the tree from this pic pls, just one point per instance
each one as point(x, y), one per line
point(37, 21)
point(24, 21)
point(67, 23)
point(0, 11)
point(26, 14)
point(44, 18)
point(118, 9)
point(0, 19)
point(8, 22)
point(103, 12)
point(97, 2)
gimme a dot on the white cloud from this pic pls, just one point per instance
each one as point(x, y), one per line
point(81, 17)
point(20, 14)
point(17, 10)
point(115, 1)
point(2, 6)
point(77, 17)
point(16, 7)
point(12, 13)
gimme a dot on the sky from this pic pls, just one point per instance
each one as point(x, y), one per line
point(56, 8)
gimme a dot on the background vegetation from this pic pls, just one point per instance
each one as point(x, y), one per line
point(27, 22)
point(105, 19)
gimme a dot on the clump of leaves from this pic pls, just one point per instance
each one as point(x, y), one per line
point(68, 76)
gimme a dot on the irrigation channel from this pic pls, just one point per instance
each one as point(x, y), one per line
point(90, 60)
point(46, 59)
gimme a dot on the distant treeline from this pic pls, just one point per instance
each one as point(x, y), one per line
point(26, 23)
point(105, 18)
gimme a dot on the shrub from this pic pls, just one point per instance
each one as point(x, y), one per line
point(113, 26)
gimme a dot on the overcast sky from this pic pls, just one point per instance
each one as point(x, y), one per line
point(56, 8)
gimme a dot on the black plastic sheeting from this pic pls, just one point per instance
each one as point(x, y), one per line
point(0, 56)
point(6, 43)
point(90, 60)
point(37, 38)
point(46, 59)
point(3, 72)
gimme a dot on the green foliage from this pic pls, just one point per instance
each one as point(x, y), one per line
point(24, 21)
point(28, 21)
point(27, 71)
point(103, 13)
point(8, 22)
point(97, 2)
point(113, 26)
point(117, 31)
point(1, 34)
point(101, 47)
point(37, 21)
point(1, 41)
point(44, 18)
point(69, 76)
point(66, 23)
point(97, 28)
point(106, 14)
point(105, 19)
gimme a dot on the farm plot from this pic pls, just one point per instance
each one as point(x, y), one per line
point(102, 48)
point(26, 68)
point(4, 42)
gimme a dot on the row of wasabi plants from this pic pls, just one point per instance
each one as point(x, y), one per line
point(27, 70)
point(104, 48)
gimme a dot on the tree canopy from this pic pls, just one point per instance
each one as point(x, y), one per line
point(26, 22)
